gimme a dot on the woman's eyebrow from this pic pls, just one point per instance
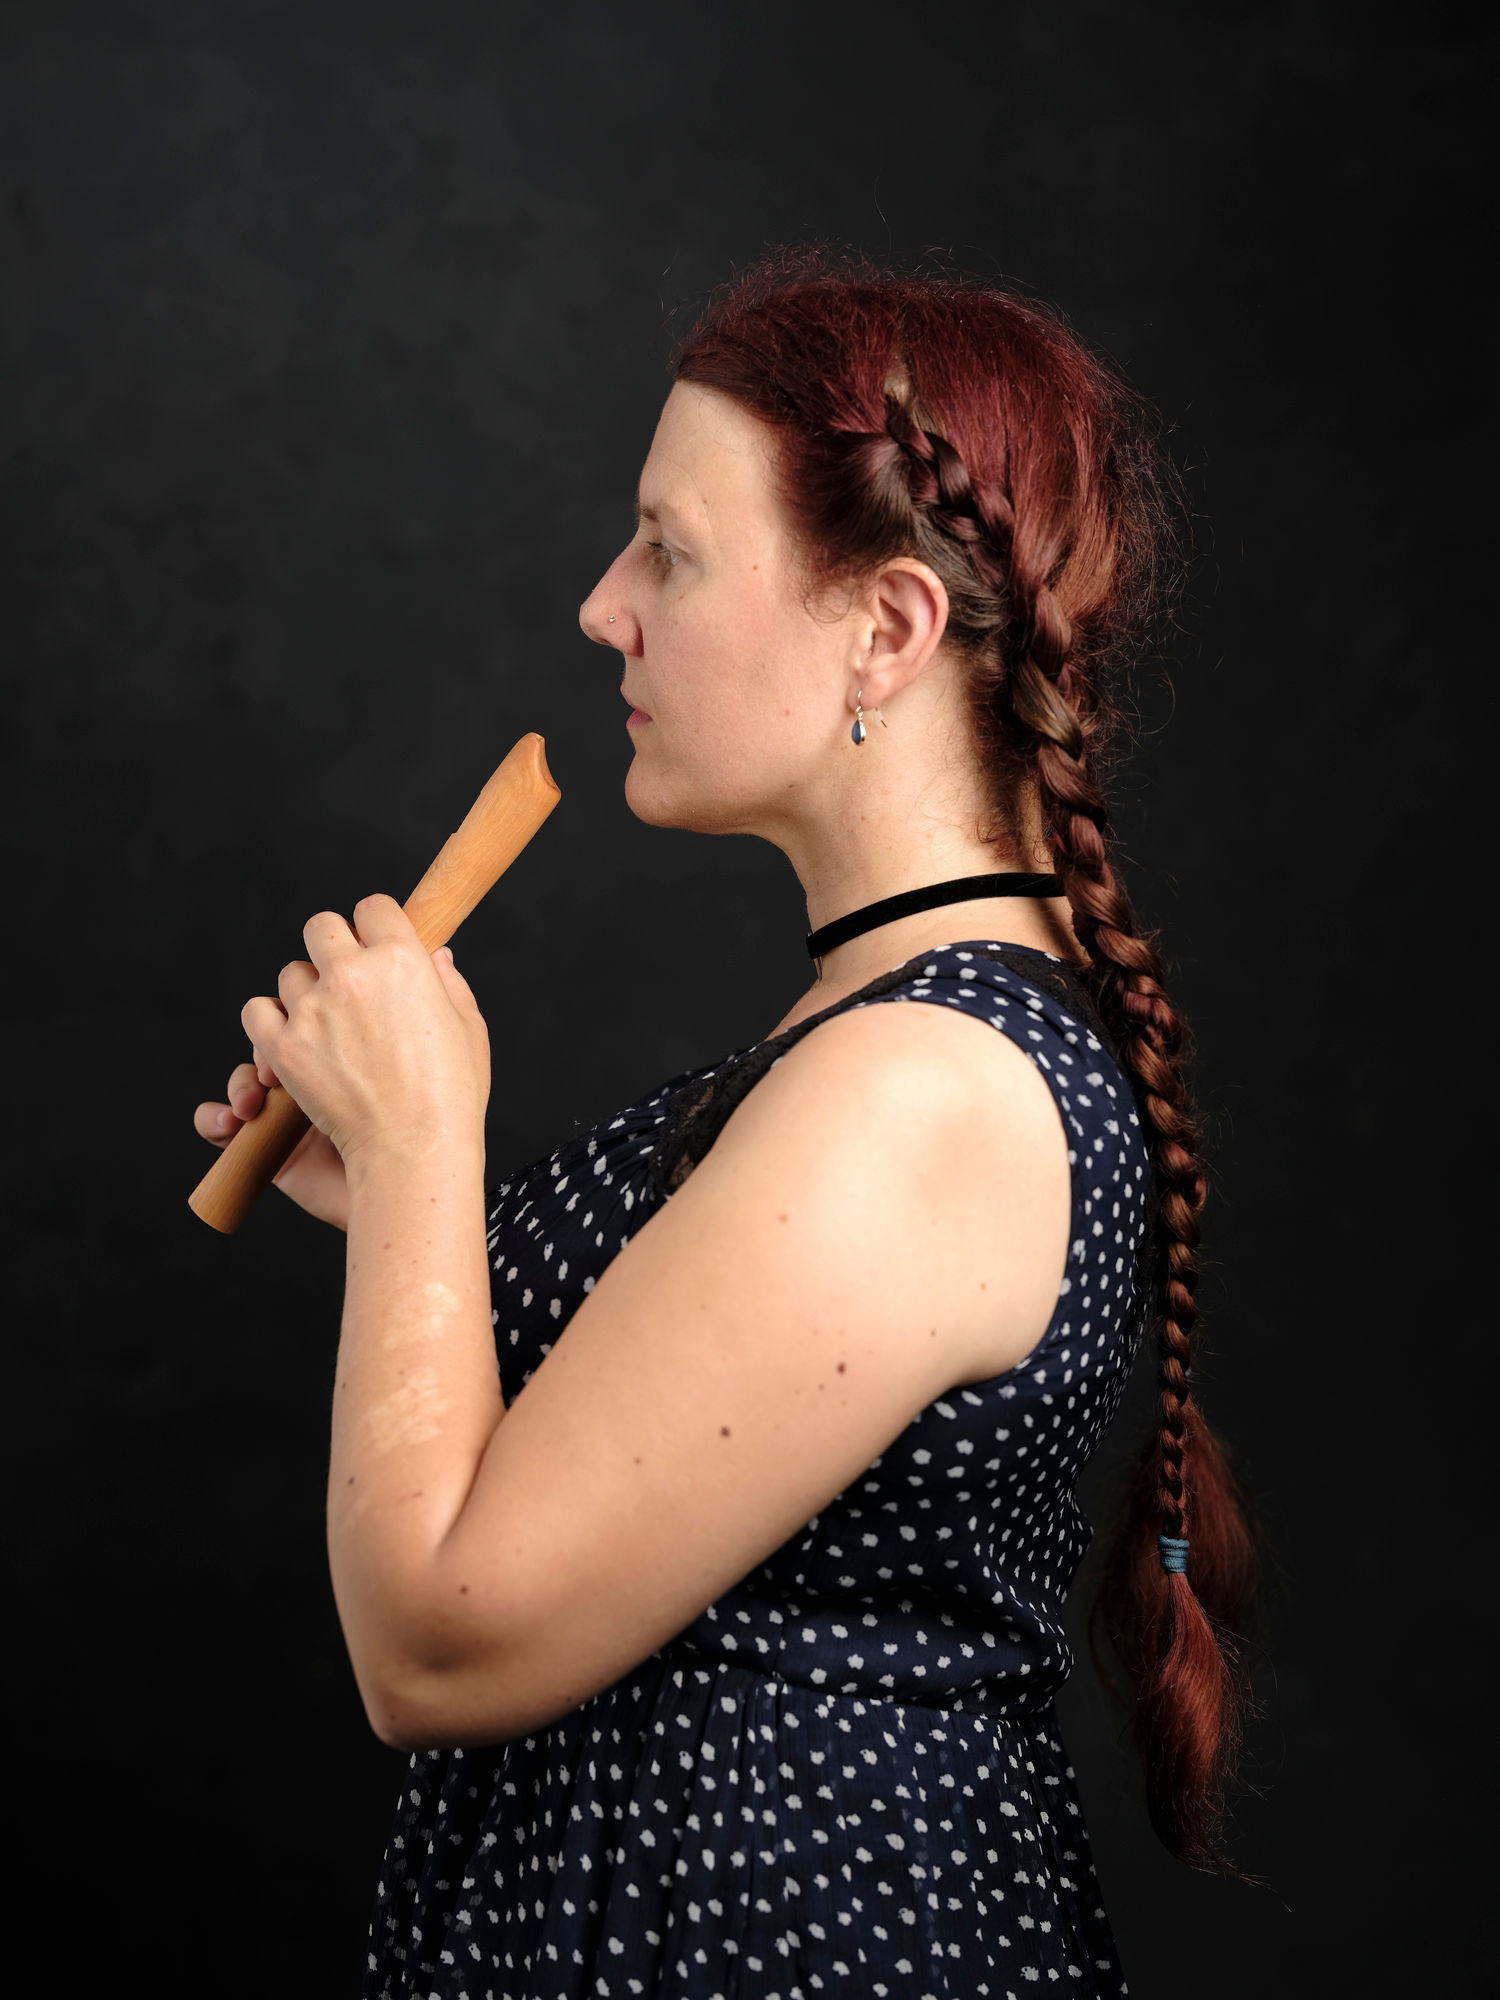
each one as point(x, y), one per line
point(655, 510)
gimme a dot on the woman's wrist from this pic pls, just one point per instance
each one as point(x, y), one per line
point(415, 1152)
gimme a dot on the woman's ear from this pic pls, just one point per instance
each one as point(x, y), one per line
point(906, 617)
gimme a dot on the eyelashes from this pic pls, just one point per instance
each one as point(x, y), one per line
point(660, 556)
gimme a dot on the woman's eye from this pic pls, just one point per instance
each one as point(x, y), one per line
point(662, 556)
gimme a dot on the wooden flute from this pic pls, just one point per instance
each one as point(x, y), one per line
point(501, 821)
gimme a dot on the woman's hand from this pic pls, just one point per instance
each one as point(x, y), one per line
point(417, 1014)
point(313, 1175)
point(380, 1041)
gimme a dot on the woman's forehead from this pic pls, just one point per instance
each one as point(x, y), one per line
point(709, 457)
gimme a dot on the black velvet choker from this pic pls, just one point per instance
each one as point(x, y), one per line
point(965, 889)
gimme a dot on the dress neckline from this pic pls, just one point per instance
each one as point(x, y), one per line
point(962, 944)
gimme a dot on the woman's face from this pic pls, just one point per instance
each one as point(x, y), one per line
point(746, 690)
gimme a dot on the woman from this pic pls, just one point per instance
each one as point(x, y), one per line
point(727, 1652)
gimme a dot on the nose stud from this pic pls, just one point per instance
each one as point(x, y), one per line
point(611, 621)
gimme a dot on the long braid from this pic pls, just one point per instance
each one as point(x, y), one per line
point(1128, 977)
point(1038, 497)
point(1171, 1635)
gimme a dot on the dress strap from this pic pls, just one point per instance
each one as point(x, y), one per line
point(1063, 982)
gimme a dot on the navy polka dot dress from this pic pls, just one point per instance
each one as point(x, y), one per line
point(844, 1777)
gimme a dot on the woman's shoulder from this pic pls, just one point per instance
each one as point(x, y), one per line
point(1032, 998)
point(1027, 995)
point(1042, 1005)
point(978, 1008)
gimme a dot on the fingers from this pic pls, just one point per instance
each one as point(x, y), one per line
point(246, 1090)
point(294, 980)
point(454, 984)
point(246, 1096)
point(377, 918)
point(262, 1019)
point(249, 1081)
point(329, 936)
point(216, 1122)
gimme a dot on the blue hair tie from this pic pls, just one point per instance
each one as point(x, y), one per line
point(1173, 1553)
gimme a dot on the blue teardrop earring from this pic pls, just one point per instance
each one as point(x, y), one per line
point(859, 732)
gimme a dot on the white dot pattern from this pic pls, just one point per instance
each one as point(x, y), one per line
point(844, 1777)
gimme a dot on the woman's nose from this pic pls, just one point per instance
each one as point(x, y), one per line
point(606, 628)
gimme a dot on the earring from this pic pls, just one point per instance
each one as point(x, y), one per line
point(859, 732)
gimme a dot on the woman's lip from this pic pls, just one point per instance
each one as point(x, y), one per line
point(636, 715)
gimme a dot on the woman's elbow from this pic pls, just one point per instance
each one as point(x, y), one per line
point(395, 1727)
point(427, 1711)
point(401, 1706)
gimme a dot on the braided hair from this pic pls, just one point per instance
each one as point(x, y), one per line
point(960, 423)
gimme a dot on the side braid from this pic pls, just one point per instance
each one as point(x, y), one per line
point(942, 505)
point(1129, 978)
point(966, 425)
point(978, 515)
point(1167, 1631)
point(1076, 815)
point(1179, 1640)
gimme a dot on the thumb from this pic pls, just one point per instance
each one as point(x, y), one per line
point(453, 980)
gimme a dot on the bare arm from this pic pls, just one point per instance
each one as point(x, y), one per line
point(416, 1403)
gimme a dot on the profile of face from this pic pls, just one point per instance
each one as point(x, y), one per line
point(749, 687)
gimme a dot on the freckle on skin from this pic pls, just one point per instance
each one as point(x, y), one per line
point(842, 1366)
point(723, 1433)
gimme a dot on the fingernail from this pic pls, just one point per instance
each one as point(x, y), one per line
point(222, 1121)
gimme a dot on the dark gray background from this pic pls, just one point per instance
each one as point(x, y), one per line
point(334, 338)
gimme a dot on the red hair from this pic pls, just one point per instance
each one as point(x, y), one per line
point(961, 423)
